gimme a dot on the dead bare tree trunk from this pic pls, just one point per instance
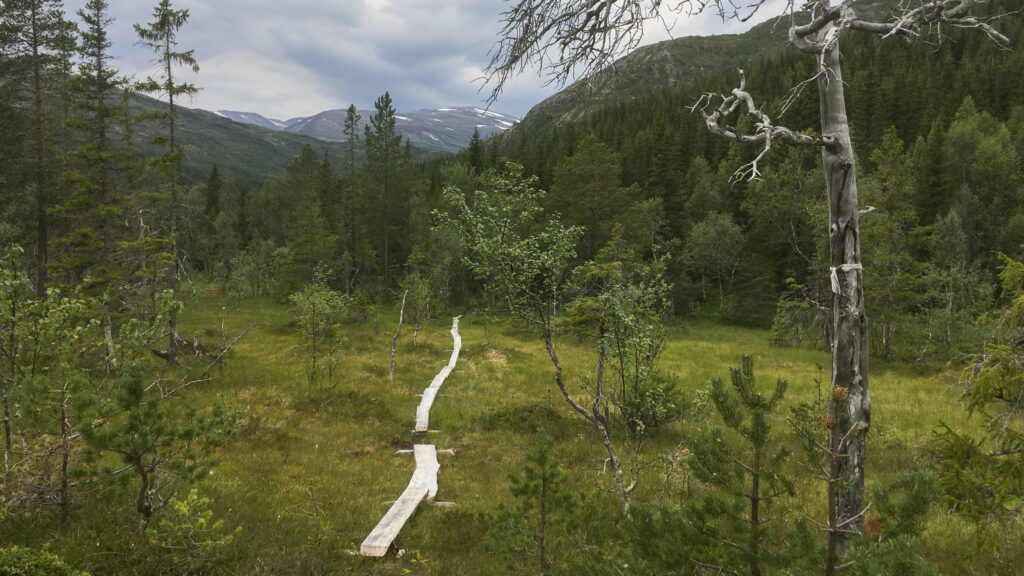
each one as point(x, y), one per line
point(65, 460)
point(224, 350)
point(850, 333)
point(108, 335)
point(394, 341)
point(570, 38)
point(5, 380)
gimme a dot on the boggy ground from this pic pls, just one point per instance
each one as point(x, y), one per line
point(310, 472)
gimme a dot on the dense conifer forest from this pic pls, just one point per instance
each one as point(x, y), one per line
point(209, 376)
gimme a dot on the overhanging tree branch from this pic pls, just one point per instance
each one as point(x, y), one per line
point(764, 131)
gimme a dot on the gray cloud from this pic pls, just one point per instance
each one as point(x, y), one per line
point(286, 58)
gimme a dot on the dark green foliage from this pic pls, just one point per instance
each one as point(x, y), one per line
point(37, 43)
point(893, 280)
point(738, 518)
point(585, 192)
point(159, 449)
point(984, 478)
point(386, 162)
point(896, 521)
point(309, 241)
point(535, 533)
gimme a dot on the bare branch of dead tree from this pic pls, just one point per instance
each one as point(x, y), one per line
point(764, 134)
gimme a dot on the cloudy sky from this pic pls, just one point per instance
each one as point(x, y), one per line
point(288, 58)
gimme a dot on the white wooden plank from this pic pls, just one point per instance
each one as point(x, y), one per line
point(423, 410)
point(422, 485)
point(424, 479)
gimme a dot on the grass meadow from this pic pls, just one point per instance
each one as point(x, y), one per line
point(309, 473)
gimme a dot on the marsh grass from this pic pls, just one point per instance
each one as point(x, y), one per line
point(310, 472)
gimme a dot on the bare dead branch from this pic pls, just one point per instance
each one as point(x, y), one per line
point(223, 351)
point(764, 131)
point(569, 39)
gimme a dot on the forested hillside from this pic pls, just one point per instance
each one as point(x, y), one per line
point(214, 337)
point(939, 132)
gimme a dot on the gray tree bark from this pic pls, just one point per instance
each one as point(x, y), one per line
point(394, 341)
point(848, 436)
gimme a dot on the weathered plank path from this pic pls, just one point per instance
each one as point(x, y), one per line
point(424, 480)
point(423, 410)
point(423, 485)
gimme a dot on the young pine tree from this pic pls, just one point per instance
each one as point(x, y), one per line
point(532, 534)
point(738, 520)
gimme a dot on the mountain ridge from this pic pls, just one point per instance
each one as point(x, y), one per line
point(444, 130)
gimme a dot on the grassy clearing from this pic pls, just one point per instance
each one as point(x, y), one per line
point(310, 474)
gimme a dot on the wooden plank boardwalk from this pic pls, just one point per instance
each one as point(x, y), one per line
point(423, 484)
point(423, 410)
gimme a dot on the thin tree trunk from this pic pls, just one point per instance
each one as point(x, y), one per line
point(108, 335)
point(5, 378)
point(172, 352)
point(542, 522)
point(850, 335)
point(755, 513)
point(42, 224)
point(65, 445)
point(597, 419)
point(7, 371)
point(394, 341)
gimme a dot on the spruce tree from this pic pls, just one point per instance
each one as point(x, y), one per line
point(349, 200)
point(161, 36)
point(894, 280)
point(384, 161)
point(475, 152)
point(36, 42)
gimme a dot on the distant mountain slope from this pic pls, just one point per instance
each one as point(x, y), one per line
point(252, 118)
point(671, 63)
point(444, 130)
point(246, 153)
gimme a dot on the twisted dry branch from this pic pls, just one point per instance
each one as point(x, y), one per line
point(765, 133)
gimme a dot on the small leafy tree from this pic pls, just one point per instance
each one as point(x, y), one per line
point(253, 270)
point(50, 346)
point(524, 258)
point(712, 252)
point(189, 534)
point(66, 348)
point(531, 533)
point(15, 290)
point(619, 305)
point(319, 311)
point(738, 520)
point(416, 286)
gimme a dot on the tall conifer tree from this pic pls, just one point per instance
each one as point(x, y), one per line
point(36, 41)
point(384, 160)
point(161, 36)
